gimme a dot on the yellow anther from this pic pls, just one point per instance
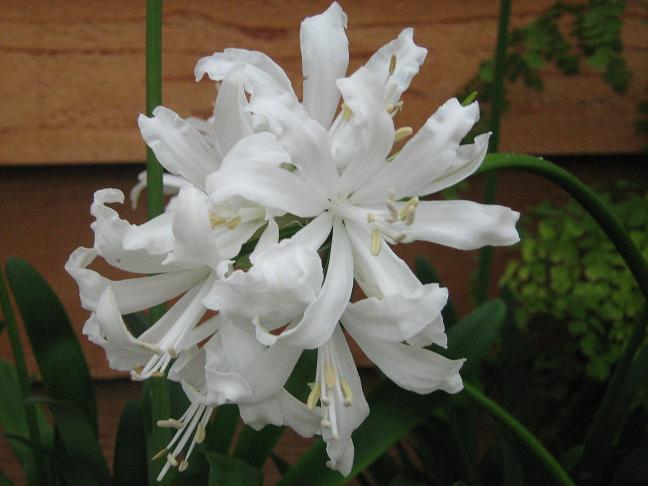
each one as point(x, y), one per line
point(150, 347)
point(346, 111)
point(172, 460)
point(394, 109)
point(138, 370)
point(157, 374)
point(375, 242)
point(313, 396)
point(402, 133)
point(184, 464)
point(325, 423)
point(392, 64)
point(329, 376)
point(200, 434)
point(371, 218)
point(216, 219)
point(346, 392)
point(233, 223)
point(160, 454)
point(172, 352)
point(407, 212)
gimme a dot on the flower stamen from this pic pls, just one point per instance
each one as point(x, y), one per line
point(402, 133)
point(376, 241)
point(392, 64)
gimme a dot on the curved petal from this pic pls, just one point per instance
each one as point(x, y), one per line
point(110, 235)
point(464, 225)
point(170, 185)
point(410, 367)
point(409, 58)
point(433, 333)
point(313, 235)
point(194, 243)
point(325, 56)
point(179, 146)
point(364, 142)
point(231, 120)
point(155, 236)
point(426, 157)
point(322, 315)
point(266, 185)
point(397, 317)
point(382, 274)
point(257, 65)
point(133, 294)
point(282, 409)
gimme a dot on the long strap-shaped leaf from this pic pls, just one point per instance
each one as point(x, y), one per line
point(60, 359)
point(130, 465)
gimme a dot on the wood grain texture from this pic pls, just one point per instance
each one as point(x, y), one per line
point(72, 71)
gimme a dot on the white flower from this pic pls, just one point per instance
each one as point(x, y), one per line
point(341, 173)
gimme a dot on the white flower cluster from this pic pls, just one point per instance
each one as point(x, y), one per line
point(260, 192)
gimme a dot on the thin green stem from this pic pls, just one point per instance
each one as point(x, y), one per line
point(23, 376)
point(482, 281)
point(552, 466)
point(157, 387)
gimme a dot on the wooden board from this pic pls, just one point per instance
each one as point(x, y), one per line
point(72, 71)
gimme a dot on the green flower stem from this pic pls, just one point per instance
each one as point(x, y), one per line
point(157, 387)
point(552, 466)
point(497, 107)
point(23, 376)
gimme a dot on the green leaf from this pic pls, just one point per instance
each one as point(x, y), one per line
point(221, 428)
point(633, 469)
point(226, 471)
point(473, 337)
point(395, 411)
point(130, 465)
point(60, 360)
point(280, 463)
point(14, 421)
point(2, 326)
point(79, 442)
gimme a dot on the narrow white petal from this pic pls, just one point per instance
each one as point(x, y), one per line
point(397, 317)
point(325, 56)
point(427, 156)
point(464, 225)
point(110, 235)
point(231, 121)
point(132, 295)
point(365, 141)
point(314, 234)
point(195, 245)
point(409, 58)
point(321, 316)
point(179, 146)
point(268, 239)
point(410, 367)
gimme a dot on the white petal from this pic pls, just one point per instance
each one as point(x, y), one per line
point(325, 56)
point(305, 140)
point(321, 316)
point(257, 65)
point(132, 295)
point(170, 185)
point(231, 121)
point(366, 139)
point(426, 157)
point(260, 147)
point(179, 146)
point(195, 244)
point(313, 235)
point(268, 239)
point(397, 317)
point(266, 185)
point(409, 58)
point(189, 367)
point(226, 387)
point(155, 236)
point(230, 241)
point(433, 333)
point(382, 274)
point(282, 409)
point(467, 160)
point(464, 225)
point(110, 232)
point(410, 367)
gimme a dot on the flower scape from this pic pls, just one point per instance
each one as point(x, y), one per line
point(277, 207)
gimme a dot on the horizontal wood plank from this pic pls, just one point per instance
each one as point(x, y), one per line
point(72, 77)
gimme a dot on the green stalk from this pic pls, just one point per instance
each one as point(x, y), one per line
point(552, 466)
point(482, 280)
point(158, 388)
point(23, 377)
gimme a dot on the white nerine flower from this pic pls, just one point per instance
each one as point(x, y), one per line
point(342, 174)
